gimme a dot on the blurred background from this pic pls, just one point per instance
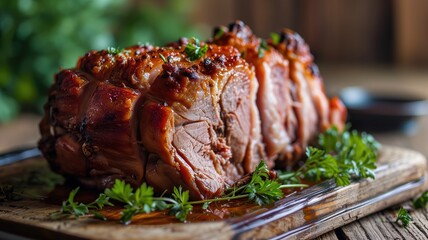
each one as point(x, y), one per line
point(375, 42)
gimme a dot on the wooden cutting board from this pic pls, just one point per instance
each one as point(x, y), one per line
point(401, 175)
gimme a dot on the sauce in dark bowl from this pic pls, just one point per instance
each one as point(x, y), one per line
point(370, 111)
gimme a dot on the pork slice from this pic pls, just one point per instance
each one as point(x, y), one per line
point(242, 121)
point(311, 105)
point(275, 104)
point(193, 144)
point(273, 95)
point(305, 110)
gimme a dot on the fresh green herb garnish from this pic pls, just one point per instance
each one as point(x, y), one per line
point(163, 58)
point(117, 50)
point(140, 201)
point(182, 206)
point(194, 51)
point(404, 217)
point(341, 156)
point(421, 201)
point(275, 38)
point(206, 205)
point(261, 189)
point(113, 50)
point(76, 209)
point(262, 48)
point(219, 33)
point(143, 201)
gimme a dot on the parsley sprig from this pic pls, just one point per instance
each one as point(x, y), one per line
point(116, 50)
point(194, 50)
point(275, 38)
point(260, 189)
point(143, 201)
point(138, 201)
point(182, 206)
point(263, 46)
point(341, 155)
point(404, 217)
point(76, 209)
point(421, 201)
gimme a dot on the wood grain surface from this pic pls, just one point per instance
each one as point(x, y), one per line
point(303, 215)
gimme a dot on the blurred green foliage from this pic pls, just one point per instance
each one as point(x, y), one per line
point(38, 37)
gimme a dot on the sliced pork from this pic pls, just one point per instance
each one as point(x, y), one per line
point(151, 114)
point(291, 99)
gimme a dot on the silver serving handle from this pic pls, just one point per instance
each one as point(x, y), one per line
point(19, 154)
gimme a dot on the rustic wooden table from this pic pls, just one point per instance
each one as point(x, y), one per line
point(24, 132)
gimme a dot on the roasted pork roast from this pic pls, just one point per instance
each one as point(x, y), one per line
point(150, 114)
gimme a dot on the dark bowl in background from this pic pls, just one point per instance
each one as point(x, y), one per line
point(376, 111)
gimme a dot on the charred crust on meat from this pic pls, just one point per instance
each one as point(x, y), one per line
point(290, 37)
point(83, 124)
point(100, 64)
point(89, 150)
point(190, 73)
point(240, 36)
point(208, 64)
point(169, 71)
point(176, 78)
point(292, 42)
point(209, 67)
point(219, 31)
point(236, 26)
point(178, 44)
